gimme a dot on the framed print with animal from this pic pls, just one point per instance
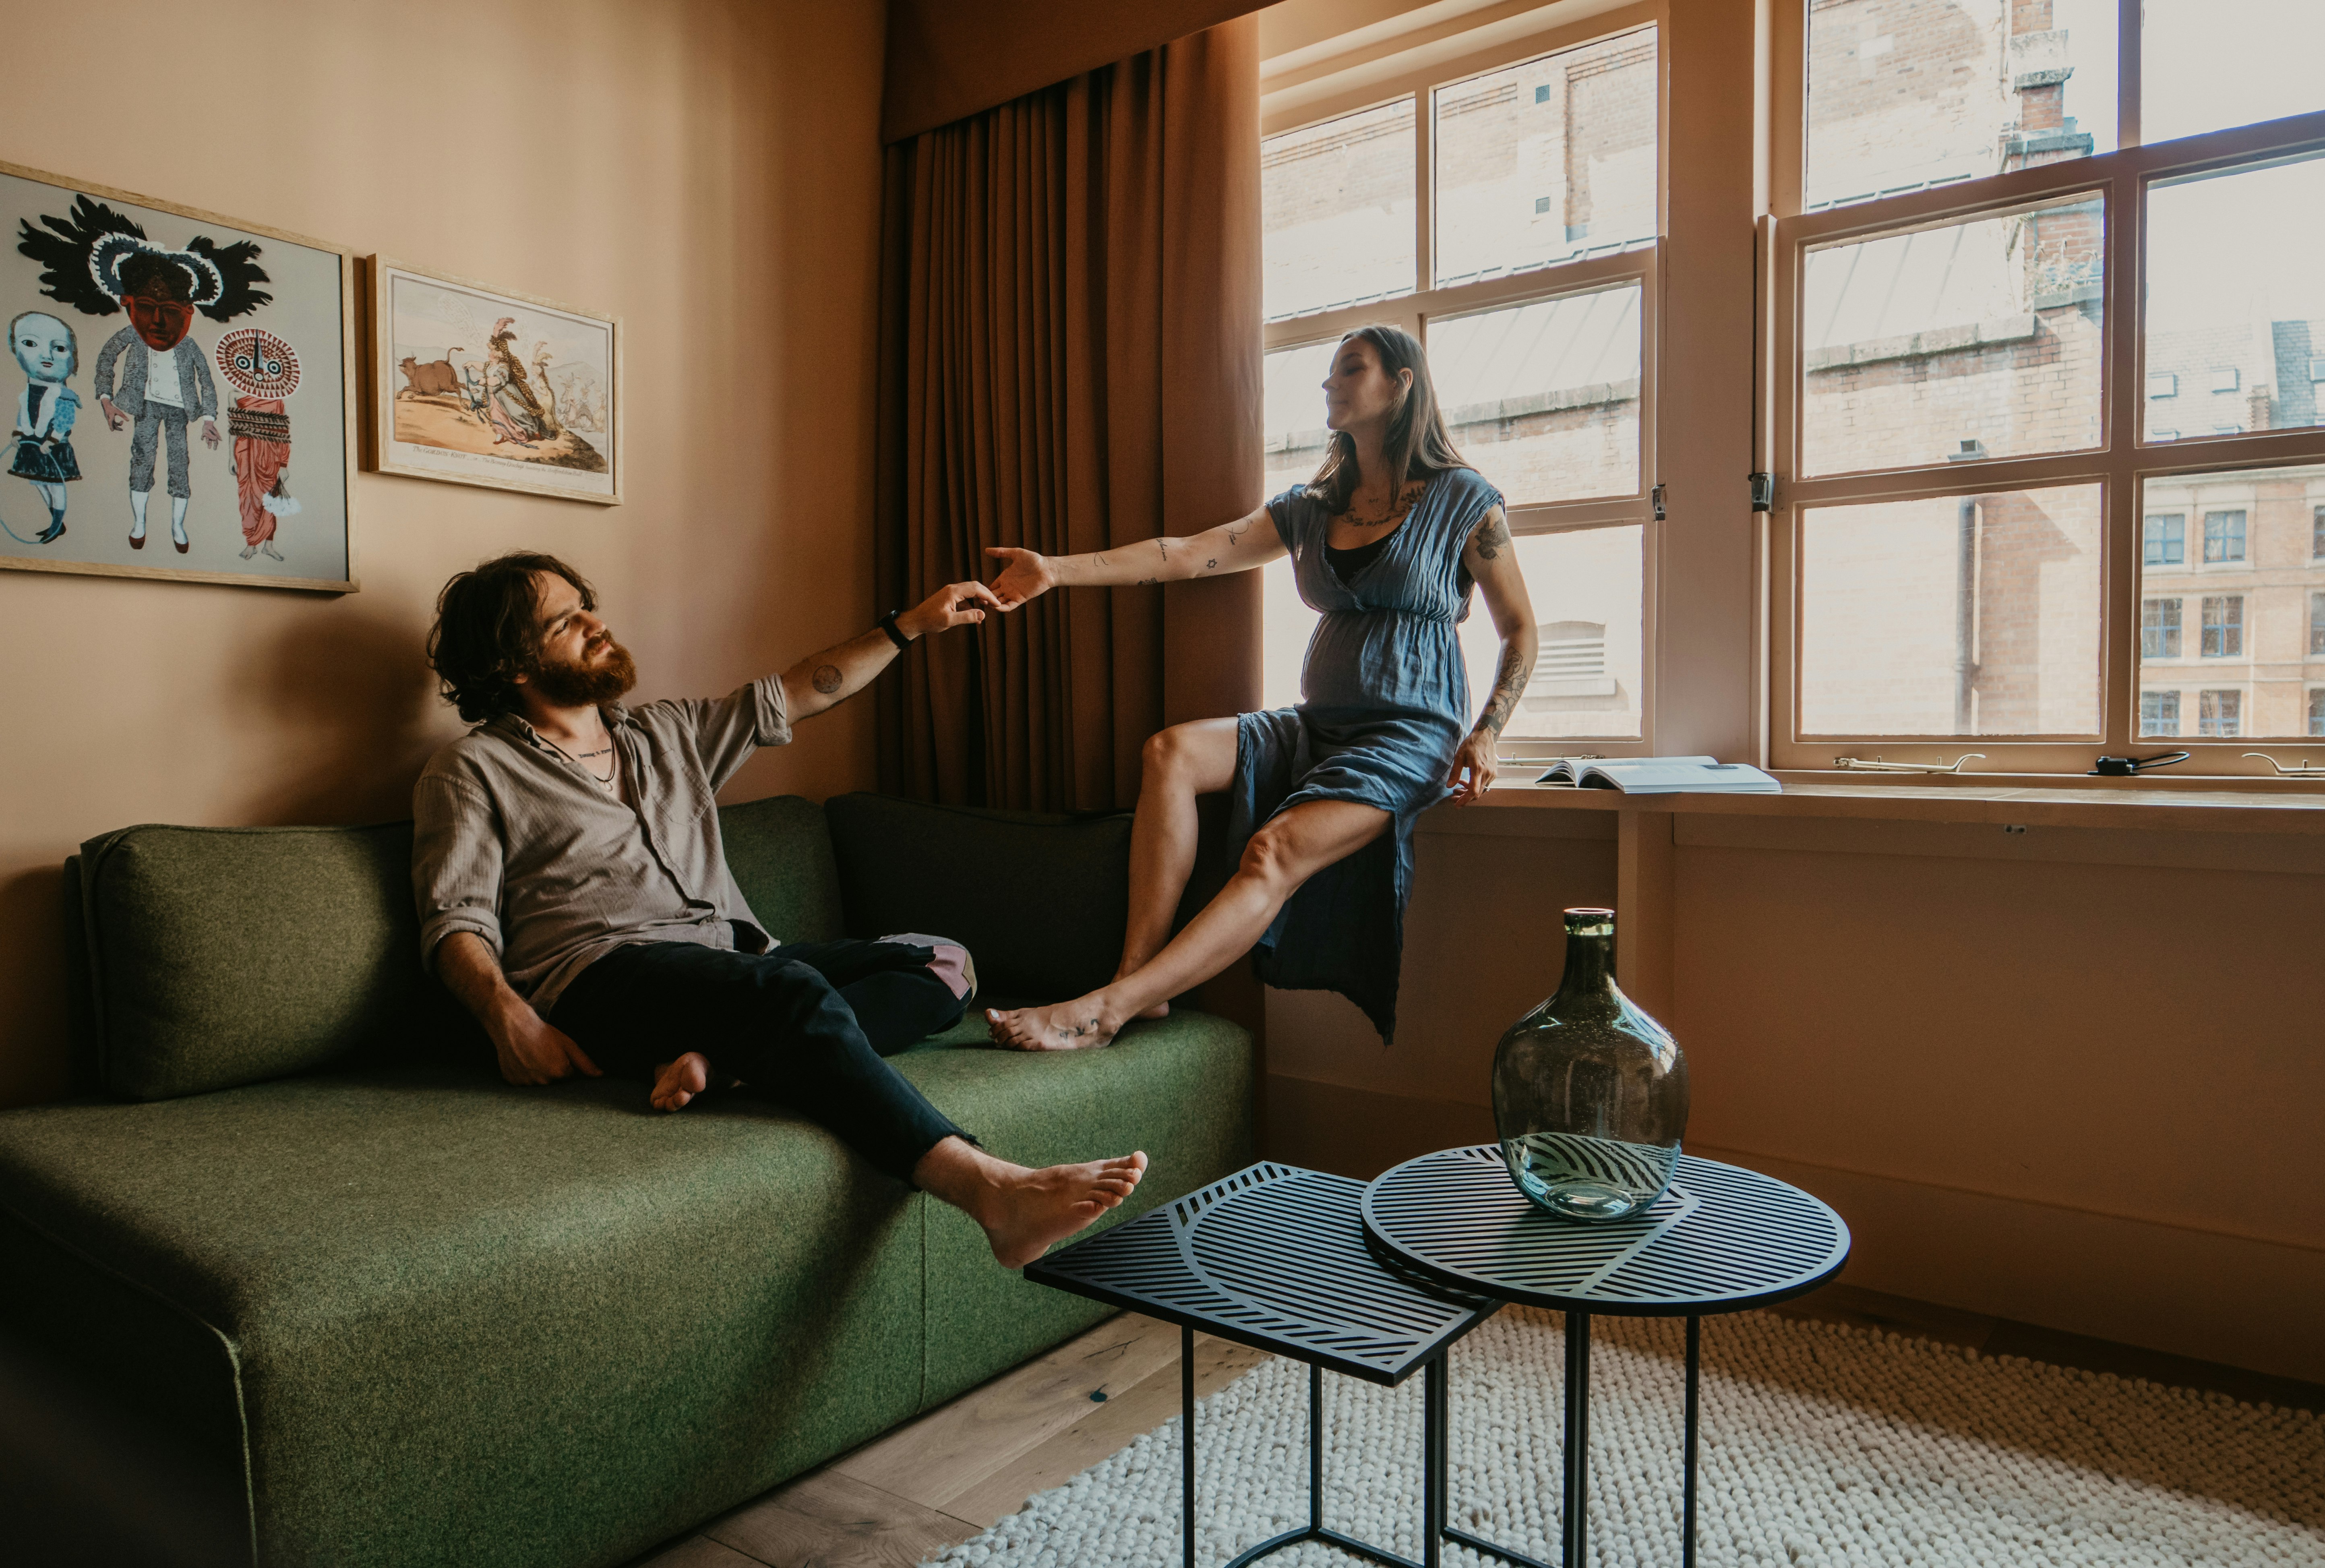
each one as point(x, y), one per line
point(184, 393)
point(483, 386)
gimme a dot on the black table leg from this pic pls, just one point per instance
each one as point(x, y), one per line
point(1687, 1513)
point(1575, 1526)
point(1435, 1443)
point(1315, 1446)
point(1187, 1441)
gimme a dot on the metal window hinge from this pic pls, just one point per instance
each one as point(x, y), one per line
point(1763, 492)
point(1656, 496)
point(1875, 765)
point(2304, 769)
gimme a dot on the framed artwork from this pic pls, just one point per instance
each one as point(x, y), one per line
point(483, 386)
point(181, 393)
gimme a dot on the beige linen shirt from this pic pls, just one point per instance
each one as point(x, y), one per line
point(515, 841)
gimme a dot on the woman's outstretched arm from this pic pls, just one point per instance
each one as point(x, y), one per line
point(1238, 546)
point(1493, 564)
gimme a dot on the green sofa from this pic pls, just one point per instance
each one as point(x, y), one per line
point(420, 1316)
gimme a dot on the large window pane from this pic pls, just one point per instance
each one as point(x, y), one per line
point(1957, 615)
point(1545, 398)
point(1970, 340)
point(2251, 647)
point(1587, 592)
point(1547, 161)
point(1336, 211)
point(2236, 302)
point(1908, 93)
point(1294, 433)
point(2206, 65)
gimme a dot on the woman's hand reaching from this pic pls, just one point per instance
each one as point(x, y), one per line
point(1025, 574)
point(1476, 761)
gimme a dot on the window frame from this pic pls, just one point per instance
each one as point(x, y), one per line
point(2124, 459)
point(1639, 263)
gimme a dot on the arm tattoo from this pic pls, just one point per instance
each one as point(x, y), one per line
point(1492, 535)
point(827, 679)
point(1212, 564)
point(1235, 535)
point(1509, 685)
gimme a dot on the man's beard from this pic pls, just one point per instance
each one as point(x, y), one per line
point(581, 685)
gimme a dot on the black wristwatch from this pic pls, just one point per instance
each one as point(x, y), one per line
point(888, 625)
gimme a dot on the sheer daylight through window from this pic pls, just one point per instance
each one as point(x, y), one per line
point(1534, 188)
point(2048, 431)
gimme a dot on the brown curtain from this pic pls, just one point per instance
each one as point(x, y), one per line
point(1070, 361)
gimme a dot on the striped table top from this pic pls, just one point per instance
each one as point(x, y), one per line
point(1720, 1240)
point(1273, 1257)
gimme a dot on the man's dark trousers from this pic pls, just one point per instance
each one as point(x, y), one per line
point(805, 1025)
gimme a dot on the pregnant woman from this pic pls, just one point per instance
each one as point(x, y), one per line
point(1385, 540)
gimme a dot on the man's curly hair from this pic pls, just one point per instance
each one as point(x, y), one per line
point(487, 631)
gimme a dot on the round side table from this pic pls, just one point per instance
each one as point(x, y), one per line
point(1721, 1239)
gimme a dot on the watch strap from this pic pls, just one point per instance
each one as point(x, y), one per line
point(888, 625)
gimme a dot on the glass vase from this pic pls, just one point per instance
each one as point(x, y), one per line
point(1589, 1092)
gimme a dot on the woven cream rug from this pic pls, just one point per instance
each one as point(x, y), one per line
point(1822, 1446)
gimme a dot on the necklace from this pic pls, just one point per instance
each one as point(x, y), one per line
point(612, 768)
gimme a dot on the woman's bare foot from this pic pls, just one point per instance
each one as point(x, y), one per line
point(677, 1082)
point(1024, 1211)
point(1159, 1010)
point(1076, 1026)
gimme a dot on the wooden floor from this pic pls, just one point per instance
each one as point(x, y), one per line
point(947, 1476)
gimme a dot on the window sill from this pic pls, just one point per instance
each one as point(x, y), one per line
point(2189, 805)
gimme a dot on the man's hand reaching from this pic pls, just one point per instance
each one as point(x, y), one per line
point(956, 604)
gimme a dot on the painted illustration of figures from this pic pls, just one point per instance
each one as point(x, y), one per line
point(98, 262)
point(264, 371)
point(517, 412)
point(41, 441)
point(488, 388)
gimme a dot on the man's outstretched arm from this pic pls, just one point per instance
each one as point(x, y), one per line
point(531, 1049)
point(831, 677)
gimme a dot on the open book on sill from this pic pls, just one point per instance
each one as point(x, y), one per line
point(1661, 776)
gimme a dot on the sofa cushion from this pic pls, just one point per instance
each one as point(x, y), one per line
point(1040, 900)
point(781, 855)
point(472, 1325)
point(221, 956)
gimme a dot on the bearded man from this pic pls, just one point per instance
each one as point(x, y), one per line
point(573, 893)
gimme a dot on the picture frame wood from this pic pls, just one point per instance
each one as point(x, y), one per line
point(270, 316)
point(534, 406)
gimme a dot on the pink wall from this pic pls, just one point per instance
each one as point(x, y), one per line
point(708, 170)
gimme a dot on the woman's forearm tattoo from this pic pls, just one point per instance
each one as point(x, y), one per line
point(1509, 685)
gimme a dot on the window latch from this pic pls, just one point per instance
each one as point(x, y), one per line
point(1656, 496)
point(2304, 770)
point(2125, 766)
point(1875, 765)
point(1763, 492)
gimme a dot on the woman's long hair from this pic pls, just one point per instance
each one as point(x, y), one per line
point(1417, 445)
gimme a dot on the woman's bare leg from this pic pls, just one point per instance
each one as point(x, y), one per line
point(1291, 848)
point(1181, 763)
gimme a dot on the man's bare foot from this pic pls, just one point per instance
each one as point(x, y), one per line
point(1024, 1211)
point(677, 1082)
point(1076, 1026)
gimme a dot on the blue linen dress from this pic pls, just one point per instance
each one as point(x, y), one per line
point(1384, 706)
